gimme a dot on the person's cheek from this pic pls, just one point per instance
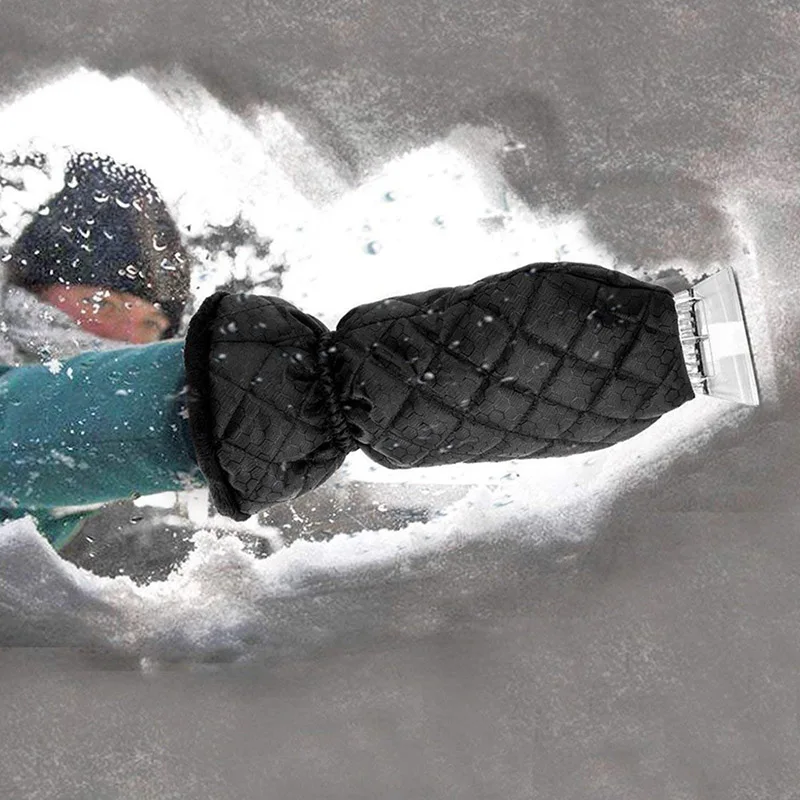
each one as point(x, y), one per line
point(140, 331)
point(104, 323)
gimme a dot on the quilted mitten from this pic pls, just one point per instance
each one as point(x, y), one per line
point(262, 407)
point(547, 360)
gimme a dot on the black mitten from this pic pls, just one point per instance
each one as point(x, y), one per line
point(260, 402)
point(547, 360)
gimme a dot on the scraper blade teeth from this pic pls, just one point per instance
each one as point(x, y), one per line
point(713, 335)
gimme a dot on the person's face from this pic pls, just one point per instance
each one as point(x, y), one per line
point(108, 313)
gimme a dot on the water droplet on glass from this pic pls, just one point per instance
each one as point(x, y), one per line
point(232, 327)
point(121, 203)
point(438, 221)
point(44, 210)
point(72, 182)
point(512, 146)
point(390, 197)
point(101, 197)
point(374, 248)
point(157, 245)
point(428, 377)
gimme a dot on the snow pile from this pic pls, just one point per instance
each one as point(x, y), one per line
point(440, 215)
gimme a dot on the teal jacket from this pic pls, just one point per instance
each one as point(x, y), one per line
point(105, 426)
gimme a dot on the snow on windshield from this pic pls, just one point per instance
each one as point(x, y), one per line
point(438, 215)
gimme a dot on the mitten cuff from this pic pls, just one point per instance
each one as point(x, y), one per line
point(262, 413)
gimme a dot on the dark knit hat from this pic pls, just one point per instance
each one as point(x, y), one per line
point(107, 227)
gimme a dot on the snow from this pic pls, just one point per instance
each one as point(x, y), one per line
point(440, 214)
point(636, 636)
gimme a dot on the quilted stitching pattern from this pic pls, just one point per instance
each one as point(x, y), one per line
point(550, 359)
point(258, 406)
point(546, 360)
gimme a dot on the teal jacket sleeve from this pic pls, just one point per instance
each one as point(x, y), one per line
point(100, 427)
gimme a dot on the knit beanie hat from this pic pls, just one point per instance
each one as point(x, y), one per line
point(107, 227)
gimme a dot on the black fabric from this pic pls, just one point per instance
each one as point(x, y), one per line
point(260, 406)
point(547, 360)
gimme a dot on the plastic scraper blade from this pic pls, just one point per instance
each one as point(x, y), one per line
point(714, 338)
